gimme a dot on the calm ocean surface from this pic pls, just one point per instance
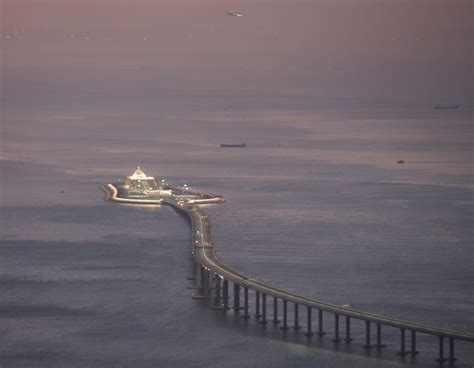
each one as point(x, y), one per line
point(316, 204)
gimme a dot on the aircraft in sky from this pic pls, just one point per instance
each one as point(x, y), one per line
point(234, 14)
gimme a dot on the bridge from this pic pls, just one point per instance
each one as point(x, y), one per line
point(214, 280)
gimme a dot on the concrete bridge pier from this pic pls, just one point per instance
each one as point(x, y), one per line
point(320, 324)
point(348, 330)
point(204, 287)
point(246, 303)
point(309, 332)
point(236, 297)
point(285, 315)
point(264, 321)
point(297, 326)
point(275, 311)
point(225, 294)
point(199, 277)
point(379, 337)
point(413, 350)
point(451, 358)
point(336, 329)
point(209, 283)
point(257, 305)
point(206, 283)
point(441, 358)
point(194, 272)
point(367, 336)
point(402, 351)
point(217, 298)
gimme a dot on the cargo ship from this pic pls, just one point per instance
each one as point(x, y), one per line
point(445, 107)
point(233, 145)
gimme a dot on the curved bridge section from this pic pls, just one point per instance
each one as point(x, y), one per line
point(213, 280)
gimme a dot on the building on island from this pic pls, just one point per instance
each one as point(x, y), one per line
point(140, 184)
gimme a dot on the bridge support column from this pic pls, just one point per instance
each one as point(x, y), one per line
point(441, 358)
point(348, 330)
point(246, 303)
point(205, 282)
point(285, 315)
point(194, 273)
point(275, 311)
point(297, 326)
point(336, 329)
point(195, 265)
point(236, 297)
point(320, 324)
point(257, 304)
point(308, 322)
point(379, 337)
point(264, 309)
point(413, 350)
point(216, 300)
point(199, 271)
point(367, 335)
point(452, 359)
point(402, 351)
point(225, 294)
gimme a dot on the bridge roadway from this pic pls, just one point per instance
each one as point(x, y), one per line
point(204, 254)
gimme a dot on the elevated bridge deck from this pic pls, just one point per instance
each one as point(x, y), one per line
point(210, 265)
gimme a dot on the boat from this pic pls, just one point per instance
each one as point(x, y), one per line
point(234, 14)
point(445, 107)
point(400, 162)
point(229, 145)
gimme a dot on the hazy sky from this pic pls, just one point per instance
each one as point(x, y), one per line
point(417, 46)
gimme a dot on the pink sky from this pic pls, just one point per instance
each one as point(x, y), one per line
point(304, 32)
point(423, 42)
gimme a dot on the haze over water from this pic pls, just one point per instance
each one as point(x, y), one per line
point(328, 97)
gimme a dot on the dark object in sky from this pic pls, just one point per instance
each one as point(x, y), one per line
point(445, 107)
point(400, 162)
point(62, 191)
point(233, 145)
point(234, 14)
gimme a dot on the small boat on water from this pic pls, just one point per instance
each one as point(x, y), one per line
point(233, 145)
point(400, 162)
point(445, 107)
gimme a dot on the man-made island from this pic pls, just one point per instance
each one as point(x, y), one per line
point(213, 278)
point(139, 188)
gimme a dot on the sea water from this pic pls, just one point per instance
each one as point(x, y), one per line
point(316, 204)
